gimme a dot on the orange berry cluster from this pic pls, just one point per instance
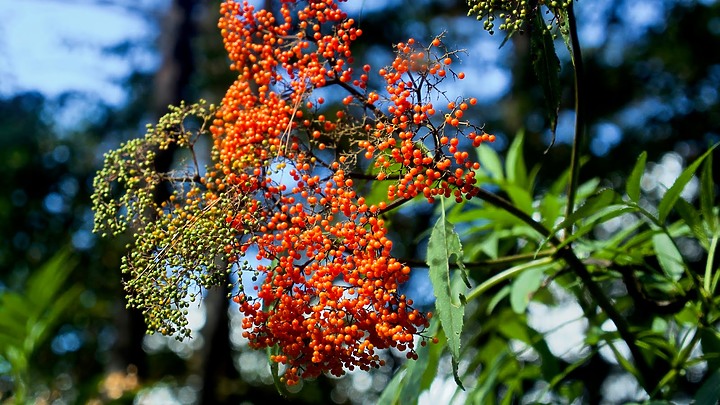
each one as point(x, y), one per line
point(327, 295)
point(401, 139)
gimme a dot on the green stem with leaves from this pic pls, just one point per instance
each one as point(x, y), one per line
point(578, 75)
point(649, 378)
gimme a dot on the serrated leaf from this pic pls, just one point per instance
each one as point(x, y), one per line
point(515, 168)
point(547, 68)
point(671, 261)
point(443, 244)
point(673, 193)
point(632, 188)
point(490, 162)
point(564, 24)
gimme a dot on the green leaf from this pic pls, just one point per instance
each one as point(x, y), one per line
point(632, 188)
point(27, 317)
point(421, 372)
point(709, 393)
point(693, 220)
point(515, 168)
point(275, 370)
point(668, 255)
point(443, 244)
point(599, 217)
point(550, 209)
point(520, 197)
point(415, 376)
point(547, 68)
point(590, 207)
point(564, 25)
point(710, 343)
point(490, 162)
point(707, 196)
point(391, 393)
point(524, 287)
point(588, 188)
point(484, 391)
point(499, 296)
point(507, 274)
point(673, 193)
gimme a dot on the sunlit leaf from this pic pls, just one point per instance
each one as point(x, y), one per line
point(632, 187)
point(490, 162)
point(590, 207)
point(668, 255)
point(707, 196)
point(588, 188)
point(421, 372)
point(443, 244)
point(520, 197)
point(694, 221)
point(601, 216)
point(673, 193)
point(515, 168)
point(550, 209)
point(524, 287)
point(499, 296)
point(391, 393)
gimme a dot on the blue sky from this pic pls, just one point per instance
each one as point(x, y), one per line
point(57, 45)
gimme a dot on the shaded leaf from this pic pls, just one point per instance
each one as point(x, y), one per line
point(710, 342)
point(547, 68)
point(484, 391)
point(709, 393)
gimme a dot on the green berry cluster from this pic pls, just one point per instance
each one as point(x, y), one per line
point(178, 246)
point(176, 257)
point(512, 15)
point(124, 187)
